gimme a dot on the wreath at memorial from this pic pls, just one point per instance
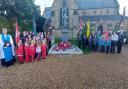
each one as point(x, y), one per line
point(63, 46)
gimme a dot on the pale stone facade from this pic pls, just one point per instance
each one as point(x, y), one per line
point(79, 8)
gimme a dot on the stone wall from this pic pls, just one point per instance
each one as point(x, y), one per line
point(104, 11)
point(71, 33)
point(74, 13)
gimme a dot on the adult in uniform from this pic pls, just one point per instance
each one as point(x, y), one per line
point(114, 39)
point(120, 42)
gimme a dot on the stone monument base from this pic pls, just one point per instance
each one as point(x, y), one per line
point(58, 49)
point(65, 36)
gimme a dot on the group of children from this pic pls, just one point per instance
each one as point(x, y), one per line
point(30, 52)
point(31, 49)
point(104, 42)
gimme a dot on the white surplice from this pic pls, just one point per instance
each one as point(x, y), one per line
point(2, 44)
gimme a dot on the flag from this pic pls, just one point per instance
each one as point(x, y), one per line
point(34, 24)
point(17, 33)
point(124, 11)
point(84, 29)
point(80, 24)
point(88, 29)
point(122, 18)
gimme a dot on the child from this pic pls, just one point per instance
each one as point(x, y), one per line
point(32, 51)
point(26, 49)
point(99, 44)
point(102, 44)
point(108, 45)
point(19, 52)
point(95, 42)
point(38, 51)
point(44, 49)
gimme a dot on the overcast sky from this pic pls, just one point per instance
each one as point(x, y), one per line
point(48, 3)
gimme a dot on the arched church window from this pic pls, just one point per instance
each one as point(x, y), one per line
point(107, 11)
point(100, 12)
point(83, 12)
point(75, 12)
point(53, 13)
point(94, 12)
point(61, 17)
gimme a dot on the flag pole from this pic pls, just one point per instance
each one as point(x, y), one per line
point(17, 33)
point(122, 18)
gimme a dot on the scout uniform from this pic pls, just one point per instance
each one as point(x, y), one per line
point(108, 45)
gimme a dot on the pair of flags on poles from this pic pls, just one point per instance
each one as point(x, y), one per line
point(85, 28)
point(17, 32)
point(122, 18)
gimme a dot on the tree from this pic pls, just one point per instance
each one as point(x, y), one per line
point(12, 9)
point(22, 11)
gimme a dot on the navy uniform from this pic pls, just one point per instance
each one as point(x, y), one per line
point(79, 40)
point(84, 41)
point(95, 43)
point(108, 45)
point(91, 42)
point(102, 45)
point(120, 43)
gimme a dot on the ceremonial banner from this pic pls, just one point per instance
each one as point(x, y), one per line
point(17, 33)
point(88, 29)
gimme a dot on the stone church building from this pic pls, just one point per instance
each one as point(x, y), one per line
point(105, 12)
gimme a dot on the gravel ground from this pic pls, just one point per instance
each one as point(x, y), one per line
point(92, 71)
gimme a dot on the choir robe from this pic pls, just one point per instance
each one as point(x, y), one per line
point(44, 49)
point(19, 53)
point(6, 53)
point(27, 58)
point(32, 52)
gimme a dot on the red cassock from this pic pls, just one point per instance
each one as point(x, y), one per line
point(32, 51)
point(19, 52)
point(43, 48)
point(26, 49)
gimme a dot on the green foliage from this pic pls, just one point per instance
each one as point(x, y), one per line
point(13, 9)
point(5, 23)
point(75, 42)
point(22, 11)
point(57, 40)
point(25, 25)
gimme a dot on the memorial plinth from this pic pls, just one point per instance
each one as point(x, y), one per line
point(64, 47)
point(65, 36)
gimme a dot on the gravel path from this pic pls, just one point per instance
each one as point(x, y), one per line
point(92, 71)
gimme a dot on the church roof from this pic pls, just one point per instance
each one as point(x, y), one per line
point(47, 12)
point(93, 4)
point(104, 17)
